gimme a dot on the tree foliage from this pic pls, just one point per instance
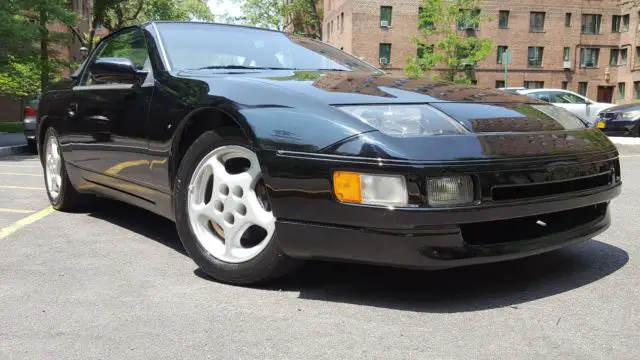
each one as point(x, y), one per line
point(20, 78)
point(447, 39)
point(116, 14)
point(29, 43)
point(297, 16)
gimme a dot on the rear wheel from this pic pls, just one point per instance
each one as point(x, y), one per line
point(62, 195)
point(223, 213)
point(32, 146)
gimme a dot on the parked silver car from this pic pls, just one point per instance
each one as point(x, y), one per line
point(579, 105)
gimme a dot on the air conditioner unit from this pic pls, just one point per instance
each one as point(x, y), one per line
point(567, 64)
point(384, 61)
point(384, 23)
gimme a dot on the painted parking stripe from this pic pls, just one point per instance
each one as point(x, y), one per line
point(6, 231)
point(20, 187)
point(17, 211)
point(20, 174)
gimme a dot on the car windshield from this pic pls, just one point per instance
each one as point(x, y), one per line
point(192, 46)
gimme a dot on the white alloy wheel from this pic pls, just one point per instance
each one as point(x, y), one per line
point(53, 162)
point(228, 218)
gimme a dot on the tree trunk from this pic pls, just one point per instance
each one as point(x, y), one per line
point(44, 50)
point(316, 17)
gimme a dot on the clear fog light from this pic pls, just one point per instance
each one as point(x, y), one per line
point(450, 190)
point(388, 190)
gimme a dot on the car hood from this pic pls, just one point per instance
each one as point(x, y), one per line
point(295, 103)
point(623, 108)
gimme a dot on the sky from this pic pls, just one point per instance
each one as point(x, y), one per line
point(224, 8)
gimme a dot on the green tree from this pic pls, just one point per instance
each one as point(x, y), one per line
point(116, 14)
point(28, 41)
point(20, 78)
point(448, 40)
point(298, 16)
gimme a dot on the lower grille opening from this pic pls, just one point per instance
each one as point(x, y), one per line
point(527, 228)
point(552, 188)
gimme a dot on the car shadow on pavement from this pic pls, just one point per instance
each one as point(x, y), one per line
point(140, 221)
point(474, 288)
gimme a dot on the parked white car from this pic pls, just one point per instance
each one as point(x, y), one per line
point(581, 106)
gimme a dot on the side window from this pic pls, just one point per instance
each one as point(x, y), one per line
point(567, 98)
point(129, 44)
point(542, 95)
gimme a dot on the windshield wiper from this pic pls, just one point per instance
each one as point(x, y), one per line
point(238, 67)
point(242, 67)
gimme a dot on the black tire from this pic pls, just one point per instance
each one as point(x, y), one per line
point(32, 146)
point(69, 199)
point(268, 265)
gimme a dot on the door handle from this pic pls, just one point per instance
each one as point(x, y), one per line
point(72, 109)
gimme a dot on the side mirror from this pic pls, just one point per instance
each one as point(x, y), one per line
point(109, 70)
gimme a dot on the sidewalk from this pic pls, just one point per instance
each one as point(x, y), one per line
point(12, 143)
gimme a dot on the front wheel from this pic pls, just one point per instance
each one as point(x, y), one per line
point(223, 214)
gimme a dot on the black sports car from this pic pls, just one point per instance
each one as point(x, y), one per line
point(267, 148)
point(622, 120)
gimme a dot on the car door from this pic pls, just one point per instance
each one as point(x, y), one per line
point(110, 144)
point(575, 103)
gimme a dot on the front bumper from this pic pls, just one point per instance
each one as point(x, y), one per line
point(313, 225)
point(436, 247)
point(622, 128)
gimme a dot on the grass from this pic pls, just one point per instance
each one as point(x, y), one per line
point(11, 127)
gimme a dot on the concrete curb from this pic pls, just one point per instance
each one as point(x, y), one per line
point(14, 150)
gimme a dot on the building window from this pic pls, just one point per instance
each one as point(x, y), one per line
point(566, 54)
point(618, 57)
point(534, 84)
point(499, 84)
point(613, 57)
point(582, 88)
point(385, 53)
point(385, 16)
point(616, 21)
point(503, 19)
point(424, 23)
point(589, 57)
point(536, 21)
point(636, 89)
point(328, 30)
point(621, 90)
point(338, 23)
point(637, 56)
point(591, 23)
point(501, 51)
point(469, 19)
point(341, 23)
point(535, 56)
point(625, 23)
point(567, 19)
point(422, 49)
point(565, 85)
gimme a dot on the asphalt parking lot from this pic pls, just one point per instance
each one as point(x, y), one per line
point(116, 284)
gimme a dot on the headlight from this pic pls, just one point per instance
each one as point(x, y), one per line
point(406, 120)
point(358, 188)
point(630, 115)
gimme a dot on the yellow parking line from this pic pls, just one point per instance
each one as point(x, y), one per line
point(16, 211)
point(20, 174)
point(6, 231)
point(20, 187)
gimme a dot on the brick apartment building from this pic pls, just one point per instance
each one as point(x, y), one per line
point(588, 46)
point(11, 109)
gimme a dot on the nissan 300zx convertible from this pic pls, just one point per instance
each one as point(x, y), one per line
point(267, 149)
